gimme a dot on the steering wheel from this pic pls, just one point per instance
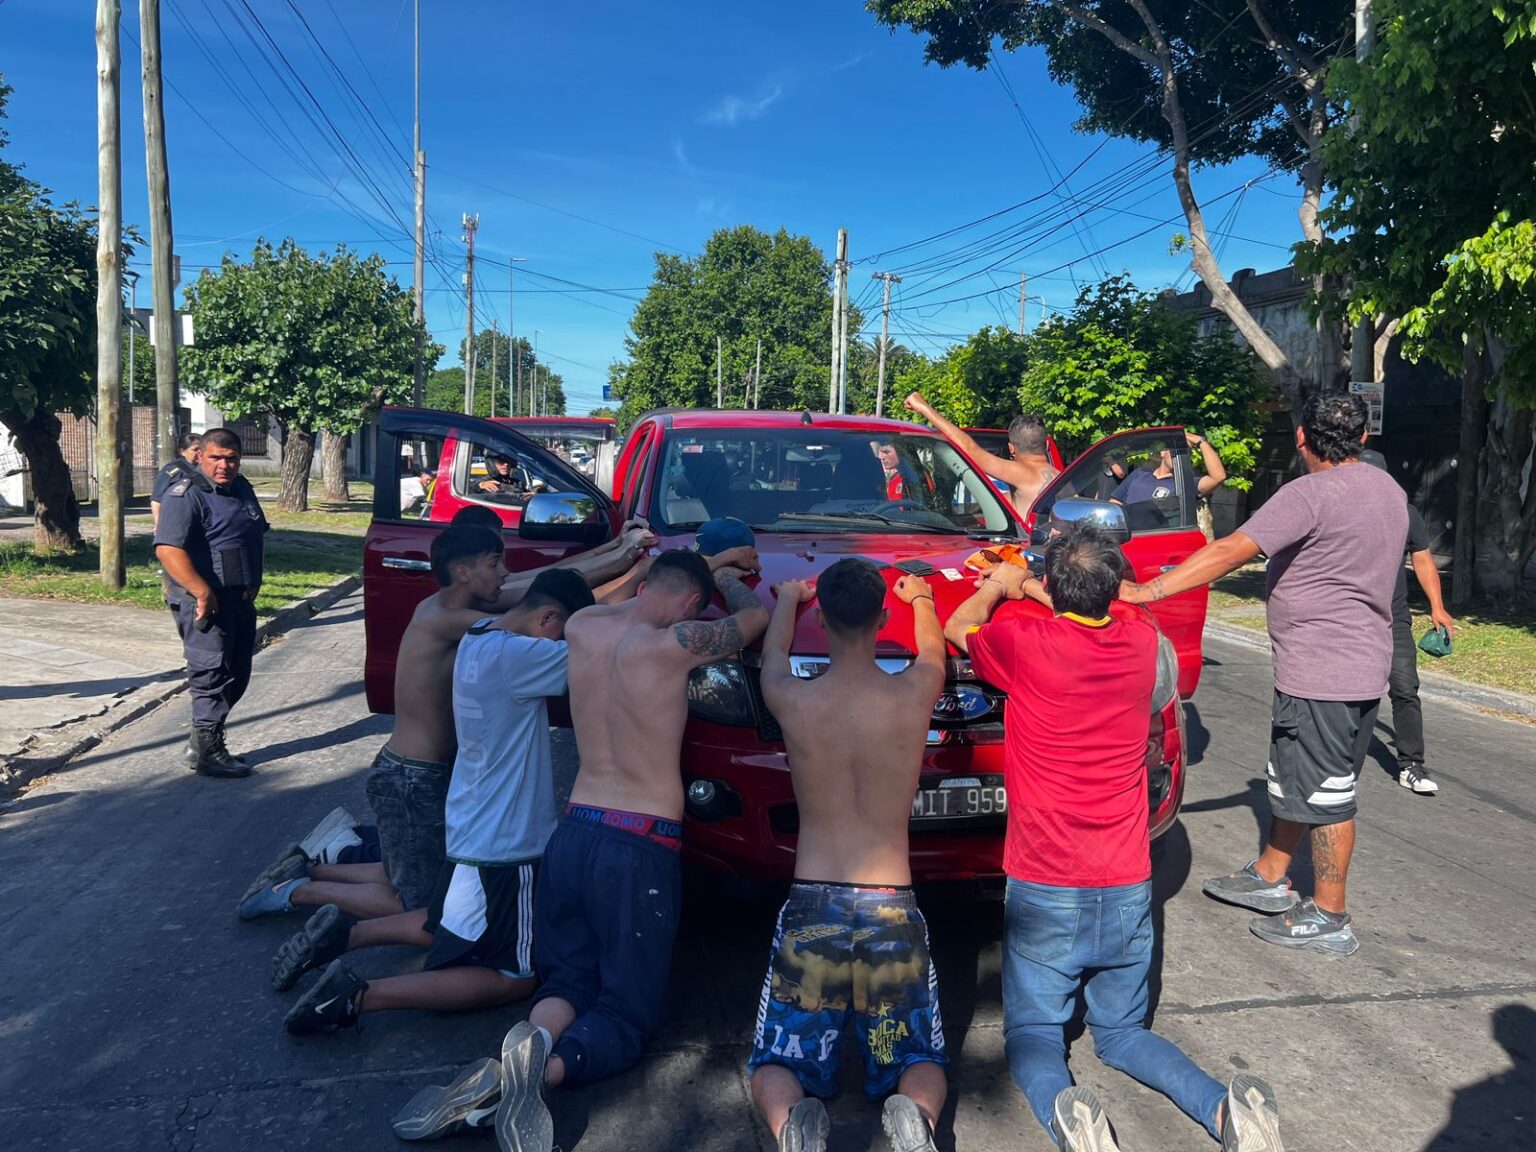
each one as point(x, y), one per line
point(905, 504)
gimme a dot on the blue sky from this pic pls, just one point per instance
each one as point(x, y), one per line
point(589, 136)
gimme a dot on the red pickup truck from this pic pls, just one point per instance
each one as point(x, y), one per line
point(813, 488)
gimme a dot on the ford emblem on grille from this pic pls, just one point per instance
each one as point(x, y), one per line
point(962, 702)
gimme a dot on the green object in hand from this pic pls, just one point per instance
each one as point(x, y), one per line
point(1437, 642)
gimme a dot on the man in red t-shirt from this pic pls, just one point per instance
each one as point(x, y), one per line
point(1079, 911)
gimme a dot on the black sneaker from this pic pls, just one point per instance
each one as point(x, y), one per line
point(806, 1128)
point(1252, 1119)
point(905, 1125)
point(1248, 889)
point(1308, 926)
point(333, 1002)
point(1081, 1125)
point(523, 1122)
point(469, 1102)
point(322, 939)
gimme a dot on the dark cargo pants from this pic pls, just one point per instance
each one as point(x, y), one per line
point(218, 660)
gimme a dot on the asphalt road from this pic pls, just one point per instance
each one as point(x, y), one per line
point(135, 1011)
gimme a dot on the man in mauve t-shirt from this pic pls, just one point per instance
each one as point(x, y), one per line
point(1334, 539)
point(1079, 911)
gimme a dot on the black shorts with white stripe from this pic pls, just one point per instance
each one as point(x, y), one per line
point(1316, 750)
point(482, 917)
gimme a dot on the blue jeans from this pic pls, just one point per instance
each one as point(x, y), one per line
point(1099, 939)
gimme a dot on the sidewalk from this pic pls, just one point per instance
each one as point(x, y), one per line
point(71, 673)
point(62, 662)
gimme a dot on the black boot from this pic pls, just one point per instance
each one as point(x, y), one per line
point(213, 759)
point(235, 756)
point(193, 752)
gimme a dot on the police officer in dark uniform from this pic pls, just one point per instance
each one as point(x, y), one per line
point(189, 447)
point(210, 540)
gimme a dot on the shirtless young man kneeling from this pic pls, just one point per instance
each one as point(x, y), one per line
point(851, 945)
point(609, 894)
point(408, 784)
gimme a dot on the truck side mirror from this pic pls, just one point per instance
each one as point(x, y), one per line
point(1108, 516)
point(563, 517)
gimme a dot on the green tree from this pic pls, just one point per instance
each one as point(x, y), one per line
point(1435, 180)
point(47, 338)
point(744, 287)
point(603, 412)
point(976, 384)
point(318, 343)
point(1123, 359)
point(1207, 82)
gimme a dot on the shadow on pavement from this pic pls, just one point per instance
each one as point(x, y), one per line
point(1496, 1112)
point(1197, 738)
point(1171, 861)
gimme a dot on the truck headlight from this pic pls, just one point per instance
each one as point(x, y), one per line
point(718, 693)
point(1167, 685)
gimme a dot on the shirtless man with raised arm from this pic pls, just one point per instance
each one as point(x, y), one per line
point(1026, 470)
point(607, 906)
point(851, 945)
point(408, 784)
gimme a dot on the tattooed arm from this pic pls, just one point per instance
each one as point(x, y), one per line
point(705, 641)
point(1212, 562)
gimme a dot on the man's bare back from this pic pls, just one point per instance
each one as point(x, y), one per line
point(424, 680)
point(855, 738)
point(628, 670)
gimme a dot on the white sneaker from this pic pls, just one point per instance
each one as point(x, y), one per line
point(330, 836)
point(1415, 779)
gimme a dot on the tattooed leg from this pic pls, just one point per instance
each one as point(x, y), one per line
point(1332, 845)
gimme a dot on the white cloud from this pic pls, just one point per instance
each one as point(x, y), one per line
point(732, 110)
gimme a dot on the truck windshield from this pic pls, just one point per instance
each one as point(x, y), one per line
point(823, 480)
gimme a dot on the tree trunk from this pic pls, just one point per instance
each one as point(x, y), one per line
point(333, 451)
point(1474, 426)
point(56, 522)
point(298, 456)
point(1506, 515)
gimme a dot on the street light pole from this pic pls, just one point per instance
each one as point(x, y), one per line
point(533, 396)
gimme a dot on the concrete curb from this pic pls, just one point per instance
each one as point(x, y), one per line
point(50, 752)
point(1432, 685)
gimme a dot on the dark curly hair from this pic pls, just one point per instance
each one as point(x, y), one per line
point(1333, 424)
point(1083, 568)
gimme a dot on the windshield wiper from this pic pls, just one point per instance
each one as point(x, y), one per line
point(877, 517)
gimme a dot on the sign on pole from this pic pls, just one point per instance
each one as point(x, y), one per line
point(1370, 392)
point(607, 392)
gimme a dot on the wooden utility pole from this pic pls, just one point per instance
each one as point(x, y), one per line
point(470, 224)
point(493, 368)
point(109, 287)
point(885, 336)
point(1362, 345)
point(163, 290)
point(839, 270)
point(1023, 283)
point(719, 378)
point(842, 340)
point(757, 376)
point(419, 285)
